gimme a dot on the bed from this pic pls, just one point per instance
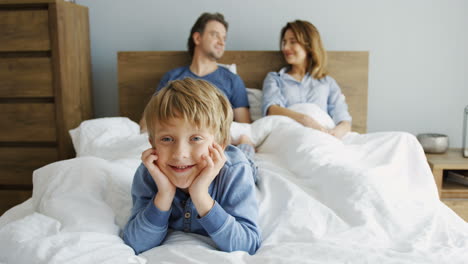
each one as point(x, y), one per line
point(139, 74)
point(370, 198)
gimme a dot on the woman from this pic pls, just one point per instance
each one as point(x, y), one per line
point(305, 80)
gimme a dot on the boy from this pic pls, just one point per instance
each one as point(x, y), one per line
point(191, 180)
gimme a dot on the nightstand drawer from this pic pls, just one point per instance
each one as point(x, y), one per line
point(18, 163)
point(27, 122)
point(26, 77)
point(24, 30)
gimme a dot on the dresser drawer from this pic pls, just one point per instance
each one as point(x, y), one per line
point(26, 77)
point(10, 198)
point(18, 163)
point(24, 30)
point(27, 122)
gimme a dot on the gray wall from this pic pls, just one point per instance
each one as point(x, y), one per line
point(418, 79)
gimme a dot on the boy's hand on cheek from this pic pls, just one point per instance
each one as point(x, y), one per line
point(166, 190)
point(214, 161)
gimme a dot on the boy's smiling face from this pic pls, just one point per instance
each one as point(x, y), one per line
point(179, 146)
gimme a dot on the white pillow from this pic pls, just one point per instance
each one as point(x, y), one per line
point(109, 138)
point(255, 97)
point(238, 129)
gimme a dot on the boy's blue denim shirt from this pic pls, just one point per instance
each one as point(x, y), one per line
point(231, 223)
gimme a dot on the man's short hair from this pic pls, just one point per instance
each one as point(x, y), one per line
point(200, 25)
point(196, 101)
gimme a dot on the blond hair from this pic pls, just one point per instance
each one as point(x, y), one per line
point(309, 38)
point(196, 101)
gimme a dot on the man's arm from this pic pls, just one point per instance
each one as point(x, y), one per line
point(240, 101)
point(242, 115)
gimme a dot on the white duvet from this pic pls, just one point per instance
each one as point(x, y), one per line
point(367, 199)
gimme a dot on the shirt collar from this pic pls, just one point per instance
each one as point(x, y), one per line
point(183, 196)
point(283, 74)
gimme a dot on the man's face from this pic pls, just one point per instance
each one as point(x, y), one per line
point(180, 146)
point(211, 42)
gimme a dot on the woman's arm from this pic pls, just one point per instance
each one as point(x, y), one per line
point(337, 106)
point(303, 119)
point(341, 129)
point(272, 92)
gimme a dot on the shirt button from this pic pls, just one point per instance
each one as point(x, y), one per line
point(187, 215)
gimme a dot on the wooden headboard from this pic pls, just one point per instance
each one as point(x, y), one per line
point(139, 73)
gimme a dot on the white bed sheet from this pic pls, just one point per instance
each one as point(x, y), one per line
point(367, 199)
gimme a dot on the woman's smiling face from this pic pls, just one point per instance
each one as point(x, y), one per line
point(294, 53)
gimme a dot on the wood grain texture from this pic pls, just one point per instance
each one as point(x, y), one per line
point(27, 122)
point(451, 190)
point(26, 77)
point(72, 69)
point(10, 198)
point(140, 72)
point(450, 160)
point(18, 163)
point(459, 206)
point(27, 2)
point(24, 30)
point(45, 89)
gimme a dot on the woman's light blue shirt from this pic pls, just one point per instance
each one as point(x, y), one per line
point(280, 88)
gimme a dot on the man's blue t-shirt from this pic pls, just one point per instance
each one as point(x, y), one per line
point(229, 83)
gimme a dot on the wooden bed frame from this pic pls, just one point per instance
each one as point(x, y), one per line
point(139, 73)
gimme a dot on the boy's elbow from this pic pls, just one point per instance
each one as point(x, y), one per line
point(129, 241)
point(256, 245)
point(253, 249)
point(137, 247)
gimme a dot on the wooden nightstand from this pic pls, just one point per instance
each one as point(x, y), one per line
point(45, 88)
point(453, 194)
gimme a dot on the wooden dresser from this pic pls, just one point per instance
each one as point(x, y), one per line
point(45, 88)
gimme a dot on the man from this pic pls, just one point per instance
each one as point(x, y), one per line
point(206, 45)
